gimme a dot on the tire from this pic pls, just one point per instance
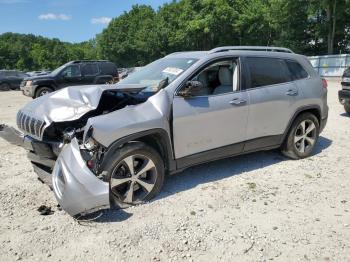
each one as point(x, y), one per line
point(5, 87)
point(41, 91)
point(300, 142)
point(347, 107)
point(146, 185)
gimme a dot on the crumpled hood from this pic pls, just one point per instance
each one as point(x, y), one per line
point(71, 103)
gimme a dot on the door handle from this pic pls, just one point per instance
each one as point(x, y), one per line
point(237, 101)
point(292, 92)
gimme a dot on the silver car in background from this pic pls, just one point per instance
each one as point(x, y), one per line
point(112, 145)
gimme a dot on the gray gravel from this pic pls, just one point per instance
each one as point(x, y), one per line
point(257, 207)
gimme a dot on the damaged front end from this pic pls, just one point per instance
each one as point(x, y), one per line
point(52, 130)
point(76, 187)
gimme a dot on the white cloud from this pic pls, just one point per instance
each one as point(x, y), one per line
point(101, 20)
point(51, 16)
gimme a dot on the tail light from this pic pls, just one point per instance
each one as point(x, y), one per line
point(324, 83)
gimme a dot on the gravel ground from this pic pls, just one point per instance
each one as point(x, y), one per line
point(256, 207)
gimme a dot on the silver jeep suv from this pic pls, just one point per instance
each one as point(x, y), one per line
point(111, 145)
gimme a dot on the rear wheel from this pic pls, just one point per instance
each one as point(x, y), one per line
point(43, 91)
point(135, 173)
point(347, 107)
point(5, 87)
point(302, 137)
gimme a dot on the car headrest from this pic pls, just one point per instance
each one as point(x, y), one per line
point(225, 76)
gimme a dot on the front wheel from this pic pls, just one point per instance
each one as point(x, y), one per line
point(347, 107)
point(42, 91)
point(135, 173)
point(302, 137)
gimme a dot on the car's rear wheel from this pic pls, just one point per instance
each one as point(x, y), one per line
point(135, 173)
point(347, 107)
point(302, 137)
point(4, 87)
point(43, 91)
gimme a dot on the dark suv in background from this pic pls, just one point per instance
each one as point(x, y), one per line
point(344, 94)
point(11, 79)
point(71, 74)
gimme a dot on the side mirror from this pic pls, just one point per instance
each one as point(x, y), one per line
point(192, 88)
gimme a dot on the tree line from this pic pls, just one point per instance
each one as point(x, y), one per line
point(137, 37)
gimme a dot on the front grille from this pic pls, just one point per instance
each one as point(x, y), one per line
point(30, 124)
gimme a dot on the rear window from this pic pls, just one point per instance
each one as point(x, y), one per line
point(296, 70)
point(266, 71)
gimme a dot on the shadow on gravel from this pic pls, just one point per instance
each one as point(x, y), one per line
point(104, 216)
point(322, 144)
point(228, 167)
point(345, 114)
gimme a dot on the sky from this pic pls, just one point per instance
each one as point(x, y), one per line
point(68, 20)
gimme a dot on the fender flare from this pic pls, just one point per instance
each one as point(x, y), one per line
point(164, 143)
point(48, 84)
point(298, 112)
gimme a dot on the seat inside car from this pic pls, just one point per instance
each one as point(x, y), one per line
point(228, 83)
point(203, 78)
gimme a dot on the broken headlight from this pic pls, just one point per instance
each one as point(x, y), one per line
point(89, 142)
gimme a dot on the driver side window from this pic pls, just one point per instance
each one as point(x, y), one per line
point(218, 78)
point(71, 71)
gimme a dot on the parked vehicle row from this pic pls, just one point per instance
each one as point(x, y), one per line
point(106, 145)
point(73, 73)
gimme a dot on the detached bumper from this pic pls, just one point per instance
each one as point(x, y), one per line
point(76, 188)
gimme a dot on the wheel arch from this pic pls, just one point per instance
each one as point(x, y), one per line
point(314, 109)
point(5, 82)
point(158, 139)
point(42, 85)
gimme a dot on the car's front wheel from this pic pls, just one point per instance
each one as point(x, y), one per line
point(135, 173)
point(302, 137)
point(347, 107)
point(43, 91)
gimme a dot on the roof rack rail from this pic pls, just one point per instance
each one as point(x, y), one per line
point(251, 48)
point(80, 61)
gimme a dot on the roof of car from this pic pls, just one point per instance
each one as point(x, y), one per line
point(241, 50)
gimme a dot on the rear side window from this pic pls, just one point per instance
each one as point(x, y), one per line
point(90, 70)
point(108, 68)
point(266, 71)
point(296, 70)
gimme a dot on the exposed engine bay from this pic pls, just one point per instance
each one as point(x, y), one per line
point(110, 101)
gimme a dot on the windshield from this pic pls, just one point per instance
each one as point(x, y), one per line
point(57, 70)
point(153, 74)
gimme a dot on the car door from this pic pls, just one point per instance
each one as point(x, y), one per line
point(273, 100)
point(70, 76)
point(211, 120)
point(89, 73)
point(12, 79)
